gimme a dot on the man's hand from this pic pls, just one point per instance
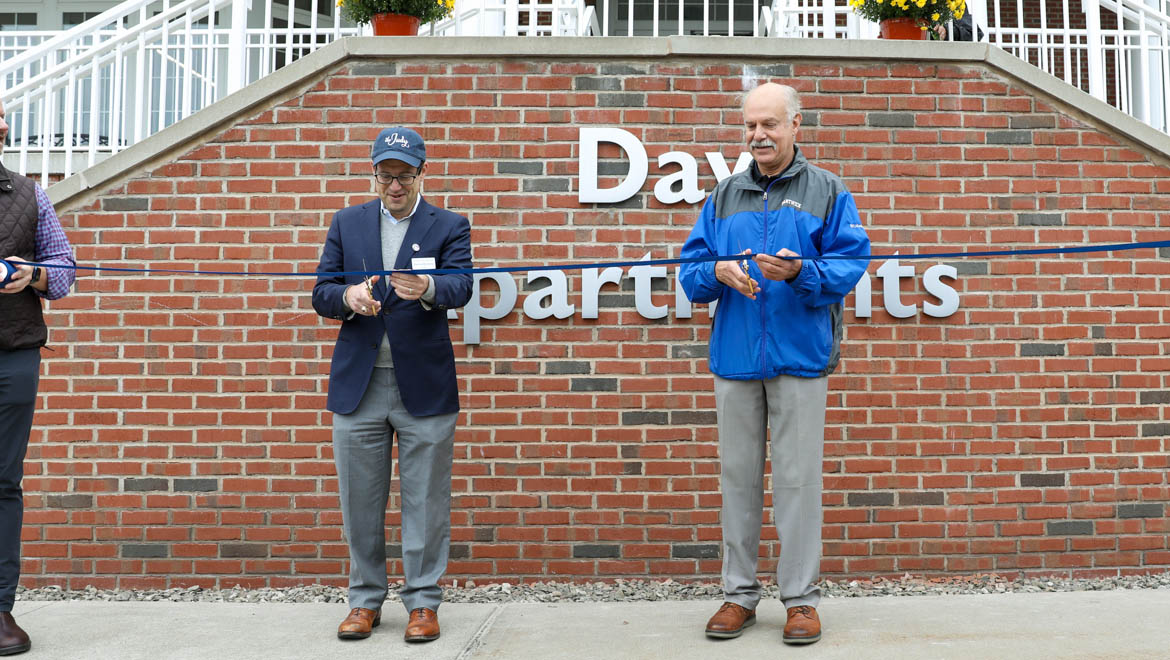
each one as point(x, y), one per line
point(730, 273)
point(360, 300)
point(21, 279)
point(777, 269)
point(409, 287)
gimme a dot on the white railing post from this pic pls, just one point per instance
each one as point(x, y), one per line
point(512, 18)
point(237, 45)
point(67, 138)
point(1142, 104)
point(46, 137)
point(94, 110)
point(117, 81)
point(1095, 48)
point(978, 11)
point(25, 114)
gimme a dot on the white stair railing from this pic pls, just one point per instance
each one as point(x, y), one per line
point(77, 96)
point(53, 48)
point(471, 18)
point(81, 95)
point(126, 85)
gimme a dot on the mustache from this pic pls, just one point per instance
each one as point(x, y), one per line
point(756, 144)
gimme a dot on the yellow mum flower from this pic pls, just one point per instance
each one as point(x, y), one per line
point(934, 16)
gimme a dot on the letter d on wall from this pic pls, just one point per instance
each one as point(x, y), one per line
point(587, 147)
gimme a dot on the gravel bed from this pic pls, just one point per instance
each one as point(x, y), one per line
point(616, 591)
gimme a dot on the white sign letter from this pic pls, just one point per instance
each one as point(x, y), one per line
point(891, 274)
point(682, 304)
point(643, 278)
point(941, 290)
point(863, 298)
point(688, 176)
point(473, 312)
point(557, 291)
point(719, 166)
point(587, 148)
point(591, 285)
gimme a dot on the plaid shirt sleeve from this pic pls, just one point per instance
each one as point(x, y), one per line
point(53, 248)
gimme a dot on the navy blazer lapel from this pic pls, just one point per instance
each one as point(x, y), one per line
point(420, 224)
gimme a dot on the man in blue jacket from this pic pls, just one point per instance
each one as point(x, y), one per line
point(393, 374)
point(775, 339)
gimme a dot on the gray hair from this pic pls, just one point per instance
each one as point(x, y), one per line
point(791, 101)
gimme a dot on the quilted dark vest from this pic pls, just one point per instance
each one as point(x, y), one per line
point(21, 323)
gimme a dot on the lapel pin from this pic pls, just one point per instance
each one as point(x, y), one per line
point(416, 247)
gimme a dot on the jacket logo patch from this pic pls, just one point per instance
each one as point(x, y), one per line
point(791, 202)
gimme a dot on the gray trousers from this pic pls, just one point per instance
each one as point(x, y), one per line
point(794, 410)
point(362, 442)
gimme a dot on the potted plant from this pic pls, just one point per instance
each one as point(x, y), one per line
point(909, 19)
point(395, 17)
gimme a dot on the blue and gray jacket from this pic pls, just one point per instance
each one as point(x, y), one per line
point(793, 327)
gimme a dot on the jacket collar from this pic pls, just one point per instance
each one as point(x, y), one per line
point(421, 223)
point(798, 164)
point(5, 180)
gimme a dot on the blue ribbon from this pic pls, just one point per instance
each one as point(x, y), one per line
point(1080, 249)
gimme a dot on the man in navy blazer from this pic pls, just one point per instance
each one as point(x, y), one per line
point(393, 375)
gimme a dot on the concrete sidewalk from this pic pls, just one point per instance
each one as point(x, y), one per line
point(1089, 624)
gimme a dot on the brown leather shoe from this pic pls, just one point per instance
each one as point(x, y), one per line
point(13, 640)
point(803, 627)
point(359, 623)
point(730, 621)
point(423, 625)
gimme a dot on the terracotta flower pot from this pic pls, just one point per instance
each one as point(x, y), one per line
point(395, 25)
point(901, 28)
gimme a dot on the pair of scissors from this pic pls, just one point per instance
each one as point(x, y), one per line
point(370, 287)
point(743, 265)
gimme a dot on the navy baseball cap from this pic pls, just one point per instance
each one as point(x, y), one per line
point(400, 144)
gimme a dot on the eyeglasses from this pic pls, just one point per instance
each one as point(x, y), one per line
point(403, 180)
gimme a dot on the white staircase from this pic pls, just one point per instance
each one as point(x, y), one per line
point(75, 97)
point(80, 95)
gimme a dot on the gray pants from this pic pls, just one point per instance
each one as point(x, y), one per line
point(794, 410)
point(362, 442)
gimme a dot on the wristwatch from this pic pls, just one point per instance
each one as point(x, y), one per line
point(36, 274)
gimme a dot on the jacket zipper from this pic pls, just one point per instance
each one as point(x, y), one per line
point(763, 315)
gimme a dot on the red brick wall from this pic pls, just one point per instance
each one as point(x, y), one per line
point(182, 437)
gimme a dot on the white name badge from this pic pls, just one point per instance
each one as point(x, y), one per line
point(422, 263)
